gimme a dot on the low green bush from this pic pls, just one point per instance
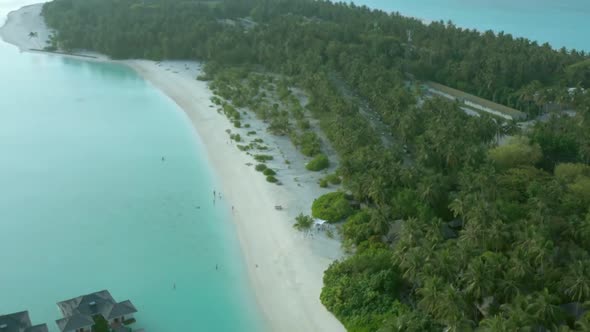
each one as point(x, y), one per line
point(318, 163)
point(269, 172)
point(333, 179)
point(263, 157)
point(323, 183)
point(308, 143)
point(251, 132)
point(331, 207)
point(236, 137)
point(260, 167)
point(271, 179)
point(231, 112)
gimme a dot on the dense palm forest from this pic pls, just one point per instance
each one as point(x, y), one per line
point(456, 232)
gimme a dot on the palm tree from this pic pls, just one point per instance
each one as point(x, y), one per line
point(496, 323)
point(431, 294)
point(516, 312)
point(541, 306)
point(412, 264)
point(457, 206)
point(480, 278)
point(576, 283)
point(303, 223)
point(583, 324)
point(33, 35)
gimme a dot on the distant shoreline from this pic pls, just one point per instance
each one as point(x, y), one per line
point(533, 33)
point(285, 270)
point(63, 53)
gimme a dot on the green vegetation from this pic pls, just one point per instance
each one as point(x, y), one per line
point(308, 143)
point(332, 207)
point(318, 163)
point(330, 179)
point(100, 324)
point(365, 283)
point(518, 152)
point(263, 158)
point(303, 223)
point(333, 179)
point(235, 137)
point(243, 147)
point(268, 172)
point(569, 172)
point(260, 167)
point(455, 234)
point(271, 179)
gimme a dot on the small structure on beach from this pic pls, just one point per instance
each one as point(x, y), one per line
point(320, 224)
point(83, 312)
point(20, 322)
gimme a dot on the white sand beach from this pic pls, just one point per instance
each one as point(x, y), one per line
point(19, 24)
point(285, 268)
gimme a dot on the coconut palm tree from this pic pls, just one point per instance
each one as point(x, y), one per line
point(576, 282)
point(303, 223)
point(496, 323)
point(543, 308)
point(480, 278)
point(431, 294)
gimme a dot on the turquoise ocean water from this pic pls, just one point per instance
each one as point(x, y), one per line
point(560, 23)
point(86, 202)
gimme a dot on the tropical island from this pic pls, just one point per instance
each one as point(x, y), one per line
point(452, 218)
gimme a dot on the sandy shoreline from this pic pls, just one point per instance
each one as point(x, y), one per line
point(284, 268)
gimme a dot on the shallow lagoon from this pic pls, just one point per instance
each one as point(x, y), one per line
point(88, 203)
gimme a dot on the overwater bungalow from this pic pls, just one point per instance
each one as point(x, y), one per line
point(19, 322)
point(83, 312)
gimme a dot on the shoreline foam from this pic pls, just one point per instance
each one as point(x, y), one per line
point(285, 269)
